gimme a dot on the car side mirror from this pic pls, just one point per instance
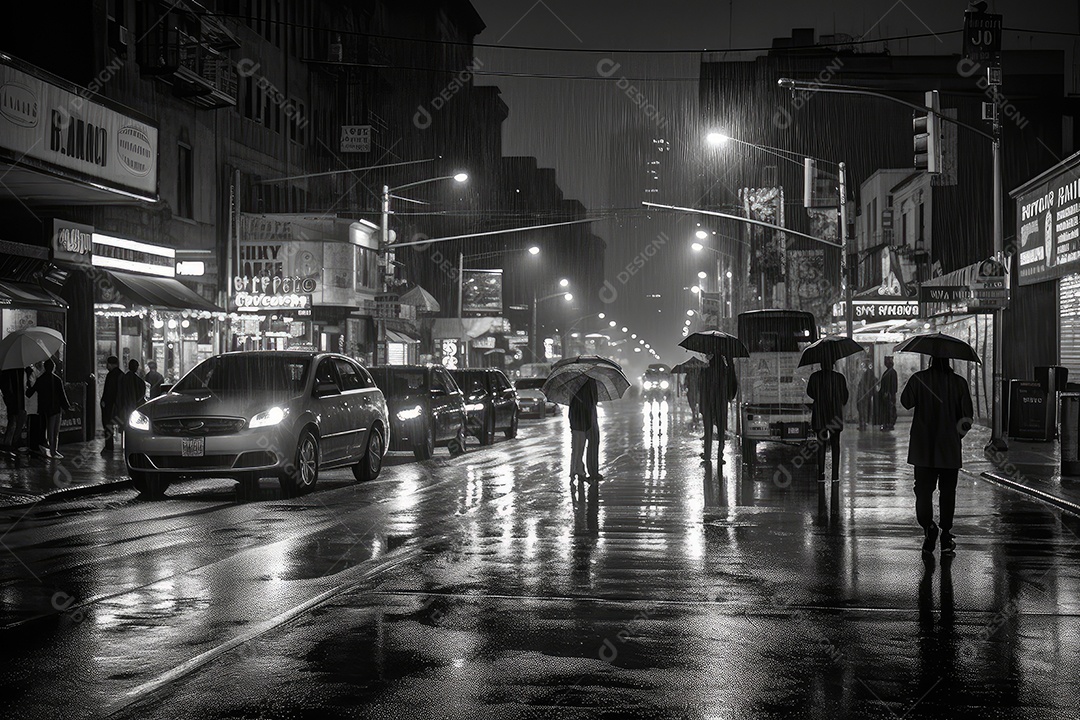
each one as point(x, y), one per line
point(325, 389)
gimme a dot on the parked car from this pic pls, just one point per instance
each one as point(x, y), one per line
point(531, 398)
point(248, 415)
point(491, 402)
point(656, 383)
point(426, 408)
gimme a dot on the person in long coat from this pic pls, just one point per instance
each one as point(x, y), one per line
point(887, 396)
point(693, 397)
point(828, 389)
point(943, 416)
point(110, 402)
point(52, 401)
point(584, 430)
point(717, 387)
point(132, 392)
point(865, 393)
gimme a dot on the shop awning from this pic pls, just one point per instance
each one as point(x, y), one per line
point(398, 337)
point(160, 292)
point(29, 296)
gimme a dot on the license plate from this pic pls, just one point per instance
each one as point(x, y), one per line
point(193, 447)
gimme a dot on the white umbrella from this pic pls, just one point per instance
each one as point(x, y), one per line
point(28, 346)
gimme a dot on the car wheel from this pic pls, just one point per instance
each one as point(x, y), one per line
point(487, 434)
point(511, 432)
point(150, 485)
point(426, 449)
point(371, 464)
point(302, 476)
point(457, 445)
point(749, 450)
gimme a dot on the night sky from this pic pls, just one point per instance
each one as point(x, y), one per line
point(575, 124)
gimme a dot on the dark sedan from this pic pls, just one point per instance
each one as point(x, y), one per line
point(426, 408)
point(491, 402)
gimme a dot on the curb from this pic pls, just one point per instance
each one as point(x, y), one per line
point(68, 493)
point(1030, 491)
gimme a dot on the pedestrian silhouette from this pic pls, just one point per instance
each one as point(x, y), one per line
point(865, 393)
point(887, 396)
point(693, 397)
point(717, 387)
point(943, 416)
point(110, 403)
point(584, 431)
point(828, 389)
point(131, 394)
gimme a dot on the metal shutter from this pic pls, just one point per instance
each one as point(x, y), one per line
point(1069, 312)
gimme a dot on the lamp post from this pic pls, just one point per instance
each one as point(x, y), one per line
point(997, 432)
point(385, 246)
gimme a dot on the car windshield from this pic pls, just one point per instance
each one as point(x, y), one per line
point(470, 381)
point(529, 384)
point(240, 374)
point(396, 383)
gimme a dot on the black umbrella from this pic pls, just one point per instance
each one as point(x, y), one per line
point(586, 359)
point(690, 366)
point(939, 345)
point(828, 350)
point(715, 342)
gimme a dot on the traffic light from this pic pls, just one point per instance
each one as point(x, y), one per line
point(928, 140)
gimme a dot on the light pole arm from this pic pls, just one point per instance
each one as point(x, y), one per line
point(749, 221)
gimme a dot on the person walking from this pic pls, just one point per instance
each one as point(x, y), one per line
point(52, 401)
point(717, 387)
point(887, 396)
point(13, 386)
point(693, 398)
point(110, 402)
point(828, 389)
point(132, 392)
point(584, 431)
point(943, 415)
point(154, 379)
point(865, 392)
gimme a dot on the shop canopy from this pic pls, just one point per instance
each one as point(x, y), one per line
point(399, 337)
point(28, 295)
point(165, 293)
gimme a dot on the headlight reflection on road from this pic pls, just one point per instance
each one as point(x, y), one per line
point(655, 427)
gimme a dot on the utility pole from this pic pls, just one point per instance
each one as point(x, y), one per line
point(845, 281)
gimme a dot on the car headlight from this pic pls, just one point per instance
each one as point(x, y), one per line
point(138, 421)
point(648, 384)
point(664, 384)
point(410, 413)
point(474, 407)
point(268, 418)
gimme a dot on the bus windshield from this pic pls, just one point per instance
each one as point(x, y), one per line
point(777, 330)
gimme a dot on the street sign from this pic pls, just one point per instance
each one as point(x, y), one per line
point(982, 36)
point(356, 138)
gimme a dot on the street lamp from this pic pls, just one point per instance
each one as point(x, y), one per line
point(701, 234)
point(533, 335)
point(997, 433)
point(534, 250)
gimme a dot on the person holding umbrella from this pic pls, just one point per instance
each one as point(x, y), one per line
point(943, 415)
point(584, 431)
point(828, 389)
point(717, 387)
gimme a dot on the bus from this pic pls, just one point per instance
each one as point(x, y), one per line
point(773, 405)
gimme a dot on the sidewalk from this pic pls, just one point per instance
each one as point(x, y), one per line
point(33, 478)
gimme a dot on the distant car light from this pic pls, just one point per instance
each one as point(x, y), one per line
point(474, 407)
point(664, 384)
point(268, 418)
point(138, 421)
point(410, 413)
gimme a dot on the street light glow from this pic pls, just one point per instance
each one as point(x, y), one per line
point(612, 323)
point(702, 275)
point(563, 282)
point(461, 177)
point(534, 250)
point(690, 313)
point(717, 138)
point(697, 247)
point(633, 336)
point(602, 316)
point(701, 234)
point(569, 296)
point(624, 329)
point(695, 289)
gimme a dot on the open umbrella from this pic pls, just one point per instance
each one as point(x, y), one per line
point(939, 345)
point(23, 348)
point(715, 342)
point(828, 350)
point(690, 366)
point(567, 377)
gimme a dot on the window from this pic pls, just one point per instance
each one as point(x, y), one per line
point(437, 381)
point(184, 182)
point(325, 373)
point(350, 378)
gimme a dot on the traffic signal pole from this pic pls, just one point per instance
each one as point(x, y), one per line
point(844, 279)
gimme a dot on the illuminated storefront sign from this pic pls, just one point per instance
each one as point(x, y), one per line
point(133, 256)
point(246, 301)
point(292, 285)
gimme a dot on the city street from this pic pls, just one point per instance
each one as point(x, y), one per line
point(480, 587)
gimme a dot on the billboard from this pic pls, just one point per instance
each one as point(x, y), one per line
point(768, 247)
point(481, 292)
point(1048, 228)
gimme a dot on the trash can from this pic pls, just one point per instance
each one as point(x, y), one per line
point(1070, 432)
point(1053, 379)
point(1027, 411)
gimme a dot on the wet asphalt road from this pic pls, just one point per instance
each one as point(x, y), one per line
point(478, 587)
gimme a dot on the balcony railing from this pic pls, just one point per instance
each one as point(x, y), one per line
point(175, 51)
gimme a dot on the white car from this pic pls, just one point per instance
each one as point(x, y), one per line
point(531, 398)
